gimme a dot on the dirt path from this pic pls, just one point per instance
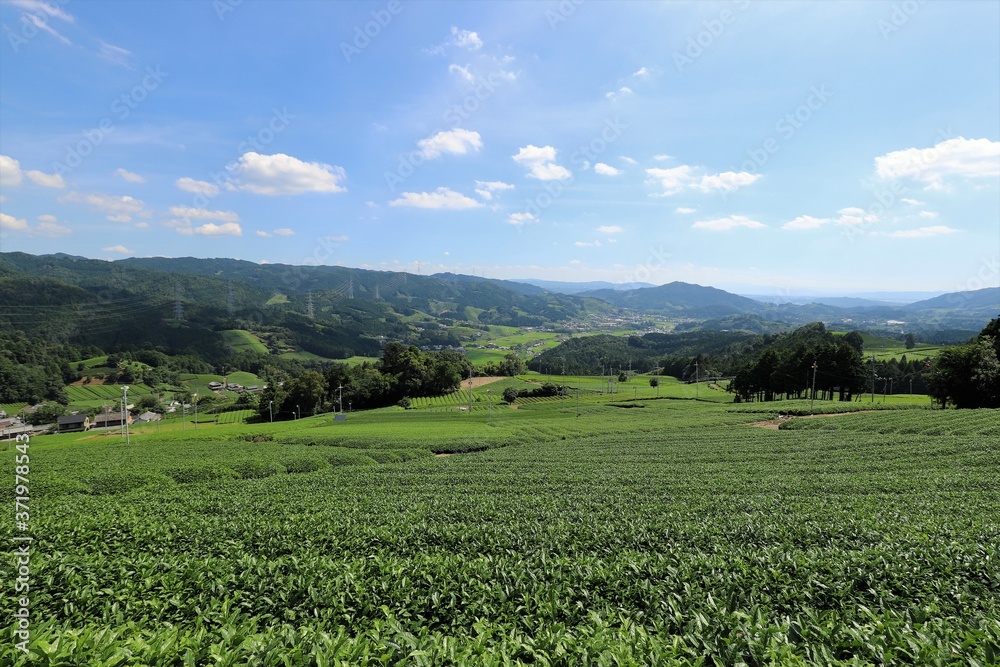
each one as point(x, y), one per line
point(479, 382)
point(773, 424)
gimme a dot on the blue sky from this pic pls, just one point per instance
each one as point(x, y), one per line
point(777, 148)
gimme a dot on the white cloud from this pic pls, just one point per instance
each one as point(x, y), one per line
point(115, 55)
point(485, 189)
point(284, 231)
point(463, 72)
point(466, 39)
point(852, 216)
point(10, 171)
point(937, 230)
point(727, 181)
point(912, 202)
point(10, 223)
point(212, 229)
point(959, 157)
point(540, 162)
point(129, 176)
point(683, 210)
point(42, 23)
point(621, 92)
point(629, 160)
point(662, 157)
point(442, 198)
point(107, 204)
point(264, 234)
point(587, 244)
point(610, 229)
point(518, 219)
point(198, 187)
point(685, 177)
point(281, 174)
point(188, 213)
point(727, 223)
point(122, 217)
point(45, 180)
point(142, 225)
point(606, 170)
point(806, 222)
point(120, 249)
point(48, 225)
point(42, 7)
point(674, 180)
point(457, 141)
point(336, 239)
point(928, 214)
point(641, 72)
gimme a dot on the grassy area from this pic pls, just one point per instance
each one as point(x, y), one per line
point(671, 533)
point(242, 340)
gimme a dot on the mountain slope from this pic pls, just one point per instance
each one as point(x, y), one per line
point(680, 298)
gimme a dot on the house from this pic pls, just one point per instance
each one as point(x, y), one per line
point(7, 423)
point(253, 388)
point(232, 386)
point(215, 386)
point(149, 416)
point(68, 423)
point(110, 420)
point(3, 413)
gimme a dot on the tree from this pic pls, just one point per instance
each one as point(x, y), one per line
point(510, 395)
point(654, 382)
point(305, 393)
point(623, 377)
point(512, 365)
point(967, 376)
point(855, 340)
point(271, 400)
point(911, 341)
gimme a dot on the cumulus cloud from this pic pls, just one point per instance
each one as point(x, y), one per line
point(609, 229)
point(129, 176)
point(806, 222)
point(183, 222)
point(641, 72)
point(928, 214)
point(684, 210)
point(120, 249)
point(442, 198)
point(518, 219)
point(485, 189)
point(9, 223)
point(188, 213)
point(112, 206)
point(262, 233)
point(663, 157)
point(466, 39)
point(281, 174)
point(727, 223)
point(685, 177)
point(912, 202)
point(587, 244)
point(463, 72)
point(45, 180)
point(606, 169)
point(937, 230)
point(540, 162)
point(621, 92)
point(284, 231)
point(198, 187)
point(212, 229)
point(10, 171)
point(952, 158)
point(457, 141)
point(629, 160)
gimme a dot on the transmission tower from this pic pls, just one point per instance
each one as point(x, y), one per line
point(309, 307)
point(178, 305)
point(377, 295)
point(350, 289)
point(229, 297)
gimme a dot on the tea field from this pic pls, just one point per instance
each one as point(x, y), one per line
point(641, 532)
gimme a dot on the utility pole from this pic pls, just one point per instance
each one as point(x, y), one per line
point(128, 440)
point(697, 381)
point(194, 397)
point(470, 392)
point(489, 402)
point(340, 398)
point(270, 410)
point(873, 377)
point(812, 397)
point(577, 401)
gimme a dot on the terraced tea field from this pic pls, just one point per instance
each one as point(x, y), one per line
point(668, 533)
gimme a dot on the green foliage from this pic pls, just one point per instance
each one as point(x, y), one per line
point(510, 394)
point(685, 538)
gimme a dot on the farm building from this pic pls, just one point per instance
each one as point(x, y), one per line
point(147, 417)
point(110, 420)
point(215, 385)
point(68, 423)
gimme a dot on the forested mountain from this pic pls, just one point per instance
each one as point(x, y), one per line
point(678, 297)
